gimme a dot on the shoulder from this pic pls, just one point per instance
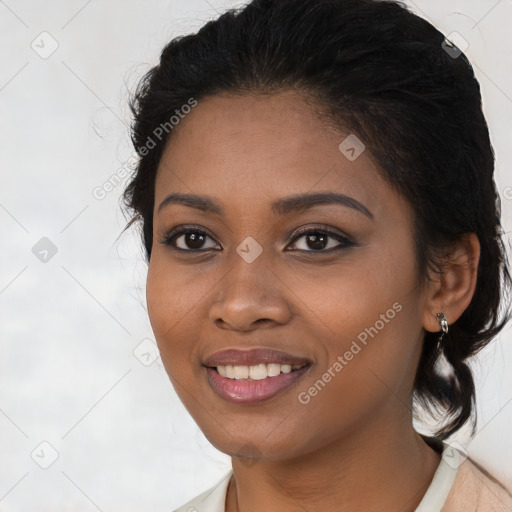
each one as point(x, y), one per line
point(211, 500)
point(475, 490)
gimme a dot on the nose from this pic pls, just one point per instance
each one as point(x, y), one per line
point(250, 295)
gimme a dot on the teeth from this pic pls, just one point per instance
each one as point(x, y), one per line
point(256, 372)
point(273, 370)
point(241, 372)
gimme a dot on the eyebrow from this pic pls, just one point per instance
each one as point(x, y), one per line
point(284, 206)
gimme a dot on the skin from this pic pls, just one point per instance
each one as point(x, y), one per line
point(352, 447)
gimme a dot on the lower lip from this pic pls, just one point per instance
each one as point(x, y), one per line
point(252, 391)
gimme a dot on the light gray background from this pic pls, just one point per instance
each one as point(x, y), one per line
point(72, 371)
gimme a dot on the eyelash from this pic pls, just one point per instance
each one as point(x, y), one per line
point(345, 242)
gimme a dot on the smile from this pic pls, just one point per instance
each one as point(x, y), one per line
point(253, 384)
point(255, 372)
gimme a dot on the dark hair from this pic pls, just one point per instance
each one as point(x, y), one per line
point(374, 69)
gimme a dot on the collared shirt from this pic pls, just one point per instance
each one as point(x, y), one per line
point(458, 485)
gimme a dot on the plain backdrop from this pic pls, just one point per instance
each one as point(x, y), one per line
point(88, 418)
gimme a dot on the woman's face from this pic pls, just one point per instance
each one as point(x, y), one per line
point(347, 303)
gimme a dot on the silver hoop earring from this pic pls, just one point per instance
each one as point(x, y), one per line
point(444, 328)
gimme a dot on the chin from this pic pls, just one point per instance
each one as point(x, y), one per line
point(252, 447)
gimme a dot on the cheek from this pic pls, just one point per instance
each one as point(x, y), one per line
point(371, 350)
point(177, 309)
point(362, 297)
point(167, 307)
point(159, 298)
point(369, 327)
point(172, 295)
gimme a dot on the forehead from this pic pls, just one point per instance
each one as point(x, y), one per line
point(262, 147)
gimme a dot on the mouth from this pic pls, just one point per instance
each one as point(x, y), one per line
point(240, 384)
point(256, 372)
point(250, 376)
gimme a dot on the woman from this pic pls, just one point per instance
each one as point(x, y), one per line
point(315, 191)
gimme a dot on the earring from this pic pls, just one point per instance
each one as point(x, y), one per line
point(444, 328)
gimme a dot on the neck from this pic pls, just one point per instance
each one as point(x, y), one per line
point(378, 469)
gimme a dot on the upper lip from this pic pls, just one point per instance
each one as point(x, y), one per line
point(251, 357)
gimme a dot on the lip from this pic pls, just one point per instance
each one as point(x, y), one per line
point(248, 392)
point(251, 357)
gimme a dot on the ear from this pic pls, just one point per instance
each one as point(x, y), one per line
point(451, 291)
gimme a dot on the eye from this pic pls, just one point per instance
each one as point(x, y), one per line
point(190, 239)
point(317, 240)
point(187, 239)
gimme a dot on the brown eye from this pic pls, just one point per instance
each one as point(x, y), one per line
point(188, 239)
point(321, 240)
